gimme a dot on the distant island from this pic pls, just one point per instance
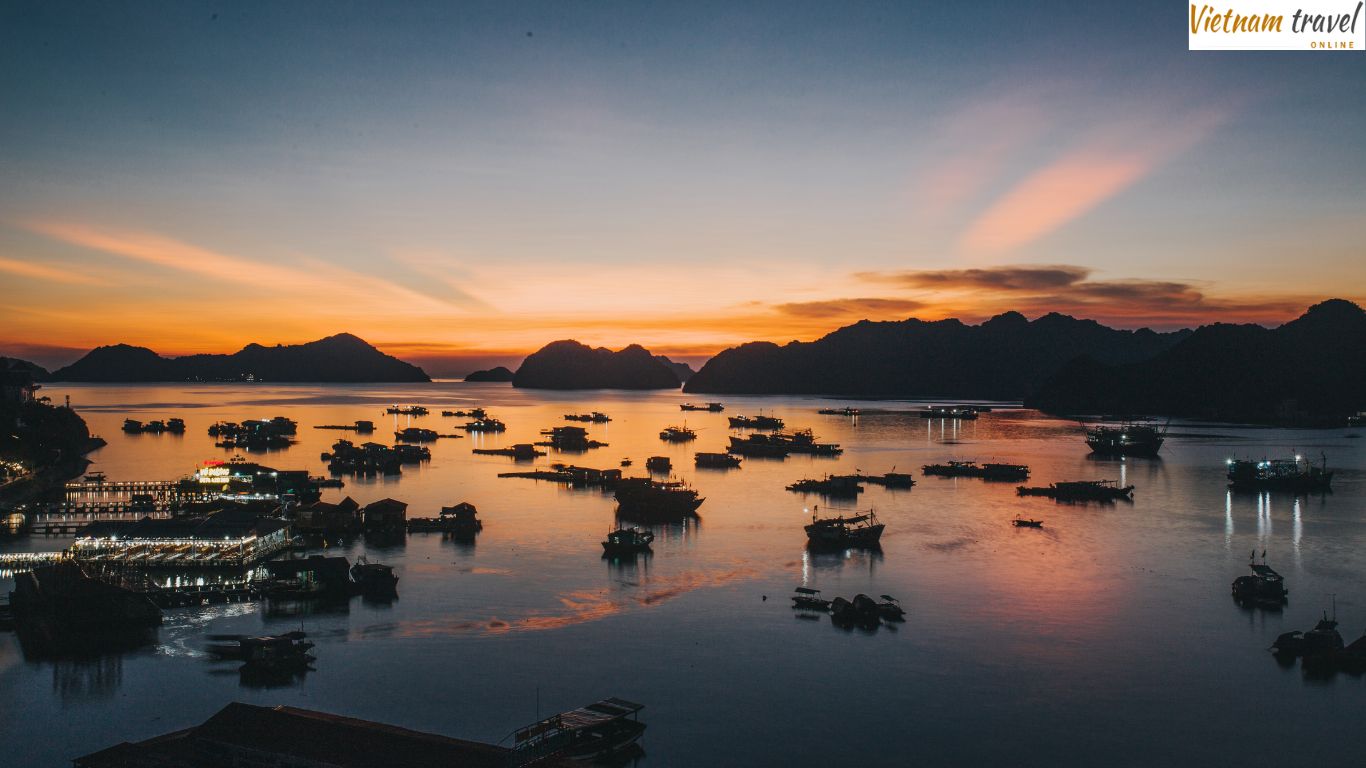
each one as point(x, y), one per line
point(1004, 358)
point(1311, 370)
point(500, 373)
point(570, 365)
point(336, 359)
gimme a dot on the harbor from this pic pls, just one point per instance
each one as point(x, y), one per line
point(558, 569)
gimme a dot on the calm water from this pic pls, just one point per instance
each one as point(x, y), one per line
point(1108, 637)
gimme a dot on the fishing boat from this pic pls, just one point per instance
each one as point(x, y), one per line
point(677, 434)
point(1007, 472)
point(892, 480)
point(473, 413)
point(624, 541)
point(756, 422)
point(1263, 587)
point(461, 520)
point(569, 439)
point(716, 460)
point(890, 609)
point(646, 500)
point(485, 424)
point(244, 647)
point(712, 407)
point(838, 411)
point(846, 486)
point(590, 733)
point(1295, 475)
point(1020, 522)
point(963, 413)
point(520, 451)
point(1081, 490)
point(808, 599)
point(407, 410)
point(1129, 438)
point(660, 464)
point(596, 417)
point(862, 530)
point(416, 435)
point(758, 445)
point(1316, 644)
point(374, 578)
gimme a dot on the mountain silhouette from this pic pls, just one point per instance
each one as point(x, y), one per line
point(500, 373)
point(1309, 370)
point(339, 358)
point(1004, 358)
point(570, 365)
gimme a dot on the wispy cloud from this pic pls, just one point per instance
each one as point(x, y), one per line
point(66, 276)
point(1011, 278)
point(869, 308)
point(1099, 167)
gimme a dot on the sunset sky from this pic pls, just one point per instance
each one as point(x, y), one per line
point(460, 183)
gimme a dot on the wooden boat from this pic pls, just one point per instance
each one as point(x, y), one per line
point(374, 578)
point(677, 434)
point(485, 424)
point(522, 451)
point(845, 486)
point(1009, 472)
point(407, 410)
point(647, 500)
point(809, 599)
point(1129, 438)
point(596, 417)
point(756, 422)
point(660, 464)
point(246, 647)
point(1081, 490)
point(841, 532)
point(890, 609)
point(590, 733)
point(1023, 523)
point(627, 541)
point(1263, 587)
point(712, 407)
point(894, 480)
point(416, 435)
point(1291, 475)
point(716, 460)
point(964, 413)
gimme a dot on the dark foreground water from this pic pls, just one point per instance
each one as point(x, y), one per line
point(1107, 638)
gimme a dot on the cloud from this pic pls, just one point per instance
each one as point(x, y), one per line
point(863, 307)
point(1012, 278)
point(1040, 289)
point(35, 271)
point(1053, 196)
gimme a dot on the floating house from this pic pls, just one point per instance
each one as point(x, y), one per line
point(233, 537)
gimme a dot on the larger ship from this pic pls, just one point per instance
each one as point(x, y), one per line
point(1295, 475)
point(1130, 438)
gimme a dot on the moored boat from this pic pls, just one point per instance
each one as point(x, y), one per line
point(1263, 587)
point(646, 500)
point(1295, 475)
point(1020, 522)
point(1081, 490)
point(1004, 472)
point(593, 732)
point(862, 530)
point(1129, 438)
point(677, 434)
point(716, 460)
point(809, 599)
point(832, 485)
point(622, 541)
point(712, 407)
point(756, 422)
